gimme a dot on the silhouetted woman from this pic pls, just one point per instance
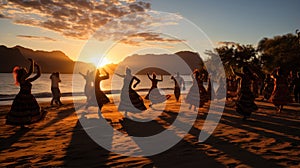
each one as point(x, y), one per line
point(100, 98)
point(245, 103)
point(25, 110)
point(221, 89)
point(210, 90)
point(130, 101)
point(178, 80)
point(194, 95)
point(296, 84)
point(268, 87)
point(154, 95)
point(89, 84)
point(280, 95)
point(55, 88)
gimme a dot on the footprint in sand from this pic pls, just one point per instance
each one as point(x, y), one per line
point(255, 140)
point(255, 147)
point(213, 152)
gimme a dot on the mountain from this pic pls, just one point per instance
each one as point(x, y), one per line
point(49, 61)
point(53, 61)
point(183, 62)
point(11, 57)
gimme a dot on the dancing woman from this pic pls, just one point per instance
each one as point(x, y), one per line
point(130, 101)
point(296, 84)
point(89, 84)
point(245, 103)
point(210, 90)
point(268, 87)
point(280, 95)
point(55, 88)
point(178, 80)
point(25, 110)
point(101, 98)
point(154, 95)
point(197, 93)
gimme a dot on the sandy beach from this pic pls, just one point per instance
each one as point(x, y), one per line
point(268, 139)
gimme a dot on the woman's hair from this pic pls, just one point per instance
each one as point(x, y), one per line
point(196, 73)
point(246, 69)
point(128, 71)
point(18, 72)
point(153, 74)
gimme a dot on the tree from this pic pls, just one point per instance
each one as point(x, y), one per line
point(237, 56)
point(280, 51)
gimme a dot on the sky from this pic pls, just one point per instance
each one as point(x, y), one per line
point(111, 30)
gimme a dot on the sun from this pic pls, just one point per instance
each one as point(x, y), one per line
point(103, 62)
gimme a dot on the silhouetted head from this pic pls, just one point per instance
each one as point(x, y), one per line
point(246, 70)
point(57, 74)
point(280, 72)
point(19, 73)
point(196, 73)
point(154, 75)
point(177, 73)
point(97, 72)
point(128, 71)
point(268, 76)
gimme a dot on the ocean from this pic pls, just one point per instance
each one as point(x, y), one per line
point(42, 87)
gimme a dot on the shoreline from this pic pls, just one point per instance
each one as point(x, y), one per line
point(4, 97)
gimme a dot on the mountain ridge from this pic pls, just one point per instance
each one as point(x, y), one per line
point(183, 62)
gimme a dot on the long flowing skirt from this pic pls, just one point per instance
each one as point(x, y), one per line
point(245, 103)
point(131, 102)
point(156, 97)
point(177, 93)
point(280, 95)
point(24, 111)
point(268, 91)
point(193, 96)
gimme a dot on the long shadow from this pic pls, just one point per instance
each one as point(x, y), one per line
point(285, 121)
point(137, 129)
point(61, 115)
point(83, 151)
point(251, 126)
point(258, 121)
point(235, 151)
point(238, 153)
point(8, 142)
point(183, 154)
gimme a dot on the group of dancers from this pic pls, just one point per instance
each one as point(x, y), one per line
point(277, 88)
point(25, 110)
point(131, 101)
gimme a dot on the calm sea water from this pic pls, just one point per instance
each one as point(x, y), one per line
point(42, 85)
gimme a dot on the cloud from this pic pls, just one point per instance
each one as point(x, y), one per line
point(227, 43)
point(149, 37)
point(138, 28)
point(37, 37)
point(80, 19)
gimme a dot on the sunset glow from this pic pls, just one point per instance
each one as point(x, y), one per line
point(103, 62)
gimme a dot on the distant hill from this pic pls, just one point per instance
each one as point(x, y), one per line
point(11, 57)
point(183, 62)
point(49, 61)
point(153, 69)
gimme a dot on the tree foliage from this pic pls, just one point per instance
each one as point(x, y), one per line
point(280, 51)
point(236, 56)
